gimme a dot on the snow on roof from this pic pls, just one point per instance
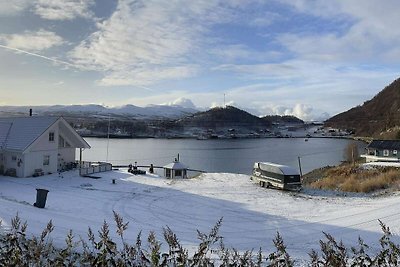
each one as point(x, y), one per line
point(276, 168)
point(176, 165)
point(19, 132)
point(4, 130)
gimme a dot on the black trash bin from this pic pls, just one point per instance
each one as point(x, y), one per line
point(41, 196)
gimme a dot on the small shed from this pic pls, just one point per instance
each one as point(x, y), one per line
point(175, 169)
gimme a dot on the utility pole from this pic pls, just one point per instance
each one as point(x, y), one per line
point(301, 173)
point(108, 135)
point(224, 101)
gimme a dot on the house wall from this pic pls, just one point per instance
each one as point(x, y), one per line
point(34, 157)
point(378, 155)
point(13, 160)
point(390, 155)
point(34, 160)
point(66, 155)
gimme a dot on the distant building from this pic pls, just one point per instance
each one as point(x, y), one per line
point(175, 170)
point(31, 146)
point(383, 150)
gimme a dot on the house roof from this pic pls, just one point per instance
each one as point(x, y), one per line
point(19, 133)
point(385, 144)
point(176, 165)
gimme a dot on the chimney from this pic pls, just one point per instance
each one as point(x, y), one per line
point(30, 112)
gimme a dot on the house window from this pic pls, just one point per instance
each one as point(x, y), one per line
point(394, 152)
point(14, 158)
point(178, 173)
point(51, 136)
point(385, 153)
point(46, 160)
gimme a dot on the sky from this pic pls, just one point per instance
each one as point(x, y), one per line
point(308, 58)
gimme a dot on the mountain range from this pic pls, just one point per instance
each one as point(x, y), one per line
point(151, 111)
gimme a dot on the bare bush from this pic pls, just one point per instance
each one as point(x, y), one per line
point(16, 249)
point(351, 152)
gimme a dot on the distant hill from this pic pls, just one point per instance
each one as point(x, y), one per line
point(148, 112)
point(223, 117)
point(286, 119)
point(378, 117)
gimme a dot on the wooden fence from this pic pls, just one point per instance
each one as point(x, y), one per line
point(88, 168)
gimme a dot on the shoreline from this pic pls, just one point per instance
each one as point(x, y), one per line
point(102, 136)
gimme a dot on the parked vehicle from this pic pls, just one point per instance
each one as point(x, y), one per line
point(269, 174)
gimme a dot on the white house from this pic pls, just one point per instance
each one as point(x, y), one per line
point(383, 151)
point(29, 145)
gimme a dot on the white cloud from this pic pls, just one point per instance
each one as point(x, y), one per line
point(265, 19)
point(144, 42)
point(301, 111)
point(370, 35)
point(182, 102)
point(260, 71)
point(13, 7)
point(141, 43)
point(32, 41)
point(234, 52)
point(63, 9)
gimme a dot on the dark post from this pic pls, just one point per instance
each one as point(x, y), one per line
point(30, 112)
point(301, 174)
point(151, 170)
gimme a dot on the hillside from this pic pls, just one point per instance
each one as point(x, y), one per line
point(286, 119)
point(378, 117)
point(223, 117)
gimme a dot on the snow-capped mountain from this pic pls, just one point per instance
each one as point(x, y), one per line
point(159, 111)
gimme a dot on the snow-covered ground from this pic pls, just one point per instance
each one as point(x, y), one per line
point(251, 215)
point(382, 164)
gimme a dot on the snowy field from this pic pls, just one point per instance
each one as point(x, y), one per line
point(251, 215)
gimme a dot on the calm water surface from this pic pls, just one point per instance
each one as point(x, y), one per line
point(232, 155)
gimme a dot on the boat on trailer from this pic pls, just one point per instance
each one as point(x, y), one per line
point(269, 174)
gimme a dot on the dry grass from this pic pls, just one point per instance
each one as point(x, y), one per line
point(354, 179)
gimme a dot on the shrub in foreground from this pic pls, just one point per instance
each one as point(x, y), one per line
point(16, 249)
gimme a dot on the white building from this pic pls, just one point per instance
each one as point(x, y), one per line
point(32, 145)
point(383, 151)
point(175, 170)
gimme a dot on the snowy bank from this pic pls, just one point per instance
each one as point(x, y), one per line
point(251, 215)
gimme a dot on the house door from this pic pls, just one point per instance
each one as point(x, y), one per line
point(59, 162)
point(1, 164)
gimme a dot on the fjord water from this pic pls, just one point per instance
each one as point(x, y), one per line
point(221, 155)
